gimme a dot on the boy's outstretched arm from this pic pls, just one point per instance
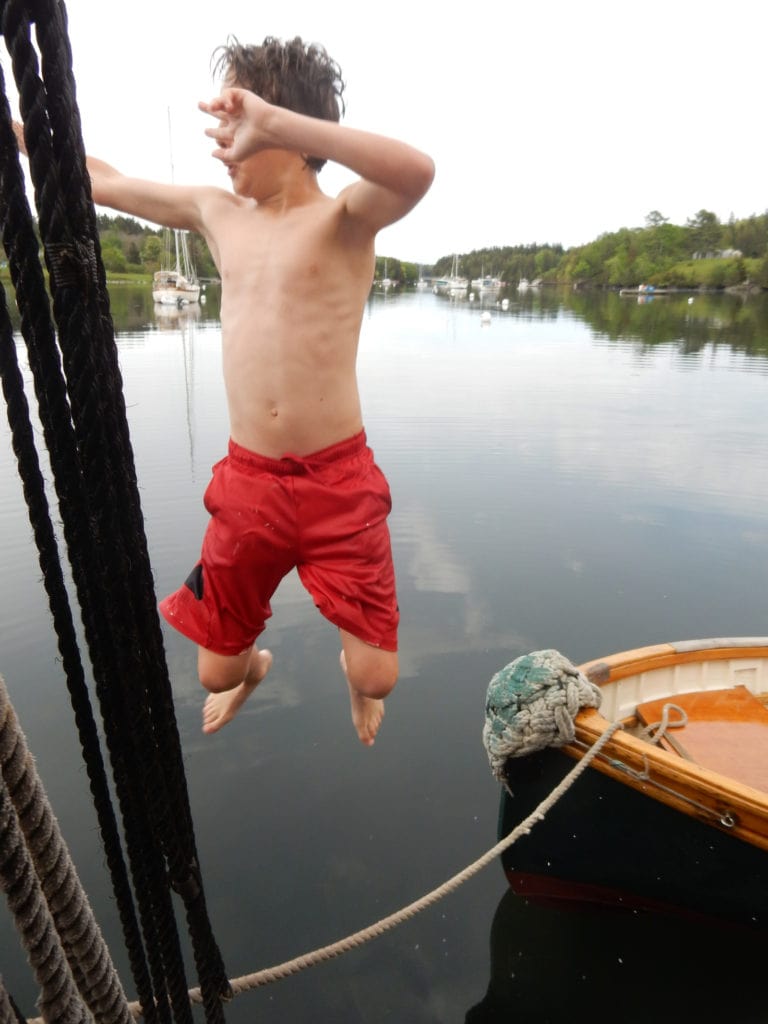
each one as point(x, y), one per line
point(394, 176)
point(174, 206)
point(170, 205)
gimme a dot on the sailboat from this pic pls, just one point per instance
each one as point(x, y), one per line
point(386, 281)
point(453, 285)
point(486, 282)
point(176, 285)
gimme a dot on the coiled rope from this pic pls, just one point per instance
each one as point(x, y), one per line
point(655, 732)
point(531, 704)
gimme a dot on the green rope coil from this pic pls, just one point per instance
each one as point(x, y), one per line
point(531, 704)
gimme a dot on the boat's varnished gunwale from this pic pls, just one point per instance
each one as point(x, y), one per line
point(690, 788)
point(645, 659)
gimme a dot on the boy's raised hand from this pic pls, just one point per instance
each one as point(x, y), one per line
point(241, 128)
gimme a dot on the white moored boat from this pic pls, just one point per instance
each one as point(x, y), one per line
point(177, 286)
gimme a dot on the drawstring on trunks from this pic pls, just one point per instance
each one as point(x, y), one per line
point(298, 465)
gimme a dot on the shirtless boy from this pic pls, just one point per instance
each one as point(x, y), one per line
point(299, 486)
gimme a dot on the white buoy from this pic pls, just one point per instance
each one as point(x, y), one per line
point(485, 318)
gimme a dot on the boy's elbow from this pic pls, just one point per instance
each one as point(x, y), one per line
point(103, 195)
point(424, 176)
point(98, 193)
point(415, 183)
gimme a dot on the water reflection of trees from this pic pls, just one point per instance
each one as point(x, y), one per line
point(739, 322)
point(131, 305)
point(539, 303)
point(133, 309)
point(690, 321)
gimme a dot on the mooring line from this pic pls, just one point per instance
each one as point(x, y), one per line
point(271, 974)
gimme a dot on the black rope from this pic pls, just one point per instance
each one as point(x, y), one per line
point(21, 247)
point(85, 428)
point(170, 808)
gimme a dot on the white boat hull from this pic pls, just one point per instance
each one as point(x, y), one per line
point(177, 286)
point(176, 296)
point(171, 288)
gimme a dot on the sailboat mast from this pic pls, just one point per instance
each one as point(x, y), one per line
point(170, 144)
point(170, 160)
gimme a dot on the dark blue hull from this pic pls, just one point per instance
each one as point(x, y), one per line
point(604, 842)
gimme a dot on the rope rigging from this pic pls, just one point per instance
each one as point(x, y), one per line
point(9, 1011)
point(73, 360)
point(66, 949)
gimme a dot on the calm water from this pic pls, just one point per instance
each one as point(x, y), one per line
point(584, 473)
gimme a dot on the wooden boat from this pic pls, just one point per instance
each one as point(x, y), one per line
point(680, 823)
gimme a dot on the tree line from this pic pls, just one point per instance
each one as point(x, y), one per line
point(702, 253)
point(130, 247)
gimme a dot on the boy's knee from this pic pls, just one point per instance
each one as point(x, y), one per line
point(377, 688)
point(213, 680)
point(213, 683)
point(373, 677)
point(218, 673)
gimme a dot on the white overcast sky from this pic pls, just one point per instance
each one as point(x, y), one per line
point(549, 121)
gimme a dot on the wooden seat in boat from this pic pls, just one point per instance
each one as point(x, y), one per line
point(726, 731)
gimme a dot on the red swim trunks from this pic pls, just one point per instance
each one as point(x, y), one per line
point(324, 514)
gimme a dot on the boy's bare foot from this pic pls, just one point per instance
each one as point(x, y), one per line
point(367, 712)
point(220, 708)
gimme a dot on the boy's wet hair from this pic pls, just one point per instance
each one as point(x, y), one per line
point(296, 75)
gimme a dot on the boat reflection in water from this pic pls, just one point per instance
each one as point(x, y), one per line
point(171, 317)
point(559, 962)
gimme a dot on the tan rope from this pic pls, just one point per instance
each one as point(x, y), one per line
point(58, 927)
point(300, 963)
point(8, 1014)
